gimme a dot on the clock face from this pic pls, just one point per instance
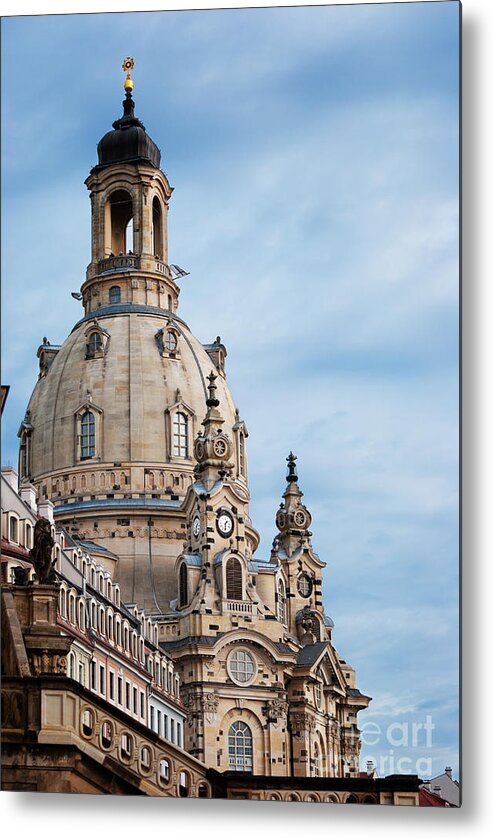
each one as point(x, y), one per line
point(196, 526)
point(225, 524)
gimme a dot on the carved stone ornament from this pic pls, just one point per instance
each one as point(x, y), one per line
point(47, 662)
point(210, 704)
point(41, 552)
point(275, 710)
point(302, 724)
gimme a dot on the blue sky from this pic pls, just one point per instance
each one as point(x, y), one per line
point(314, 155)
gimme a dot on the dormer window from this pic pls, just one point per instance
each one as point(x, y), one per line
point(170, 341)
point(115, 295)
point(96, 340)
point(167, 342)
point(94, 344)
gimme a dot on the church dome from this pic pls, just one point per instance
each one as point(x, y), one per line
point(140, 375)
point(128, 142)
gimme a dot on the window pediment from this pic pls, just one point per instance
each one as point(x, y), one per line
point(97, 340)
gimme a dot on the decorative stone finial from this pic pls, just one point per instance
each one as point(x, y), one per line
point(291, 476)
point(212, 401)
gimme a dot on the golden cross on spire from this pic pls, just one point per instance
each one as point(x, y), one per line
point(127, 67)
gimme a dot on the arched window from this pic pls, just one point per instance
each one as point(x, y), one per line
point(115, 294)
point(145, 757)
point(87, 435)
point(281, 601)
point(170, 342)
point(106, 734)
point(183, 785)
point(87, 722)
point(126, 746)
point(203, 790)
point(180, 435)
point(234, 579)
point(94, 344)
point(63, 603)
point(240, 747)
point(183, 584)
point(157, 228)
point(164, 769)
point(13, 530)
point(29, 536)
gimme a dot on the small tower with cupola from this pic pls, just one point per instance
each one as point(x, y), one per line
point(129, 210)
point(300, 565)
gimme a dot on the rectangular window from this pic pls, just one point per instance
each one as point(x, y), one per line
point(127, 695)
point(112, 685)
point(101, 679)
point(120, 690)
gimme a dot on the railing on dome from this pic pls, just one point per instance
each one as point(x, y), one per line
point(115, 263)
point(239, 607)
point(131, 261)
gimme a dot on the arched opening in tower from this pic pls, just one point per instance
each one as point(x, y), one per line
point(157, 228)
point(119, 223)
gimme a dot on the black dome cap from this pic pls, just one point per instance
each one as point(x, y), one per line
point(128, 142)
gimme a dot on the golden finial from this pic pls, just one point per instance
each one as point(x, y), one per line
point(127, 66)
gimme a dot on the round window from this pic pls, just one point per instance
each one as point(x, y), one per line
point(220, 448)
point(241, 667)
point(299, 518)
point(305, 585)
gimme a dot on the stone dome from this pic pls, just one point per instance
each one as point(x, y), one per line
point(128, 142)
point(133, 386)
